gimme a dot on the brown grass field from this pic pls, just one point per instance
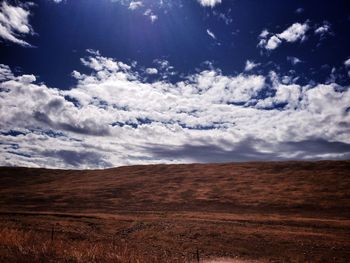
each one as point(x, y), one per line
point(243, 212)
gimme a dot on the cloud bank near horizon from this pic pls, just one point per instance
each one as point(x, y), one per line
point(115, 115)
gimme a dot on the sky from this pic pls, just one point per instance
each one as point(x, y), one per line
point(87, 84)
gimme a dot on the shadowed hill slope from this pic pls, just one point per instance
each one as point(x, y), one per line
point(300, 187)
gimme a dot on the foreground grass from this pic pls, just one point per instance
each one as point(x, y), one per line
point(216, 238)
point(27, 246)
point(273, 212)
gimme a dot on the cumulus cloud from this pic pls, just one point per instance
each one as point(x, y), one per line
point(273, 43)
point(296, 32)
point(209, 3)
point(14, 23)
point(151, 71)
point(114, 117)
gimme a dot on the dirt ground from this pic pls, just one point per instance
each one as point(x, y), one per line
point(246, 212)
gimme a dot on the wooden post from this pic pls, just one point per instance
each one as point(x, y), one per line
point(197, 254)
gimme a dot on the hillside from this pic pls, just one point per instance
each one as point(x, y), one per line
point(305, 187)
point(262, 211)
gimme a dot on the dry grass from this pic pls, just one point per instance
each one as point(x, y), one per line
point(257, 212)
point(230, 260)
point(305, 187)
point(32, 246)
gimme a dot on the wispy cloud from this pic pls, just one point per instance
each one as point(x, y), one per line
point(299, 10)
point(293, 60)
point(324, 30)
point(347, 63)
point(135, 5)
point(249, 65)
point(151, 15)
point(14, 23)
point(211, 34)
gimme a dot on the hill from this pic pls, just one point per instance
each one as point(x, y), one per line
point(259, 211)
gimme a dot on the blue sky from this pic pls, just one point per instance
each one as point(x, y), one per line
point(102, 83)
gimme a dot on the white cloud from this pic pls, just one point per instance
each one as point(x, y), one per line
point(113, 117)
point(347, 62)
point(153, 18)
point(347, 65)
point(162, 63)
point(14, 23)
point(210, 3)
point(264, 33)
point(249, 65)
point(211, 34)
point(273, 43)
point(151, 15)
point(294, 60)
point(135, 5)
point(224, 17)
point(324, 30)
point(5, 73)
point(26, 79)
point(296, 32)
point(299, 10)
point(151, 71)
